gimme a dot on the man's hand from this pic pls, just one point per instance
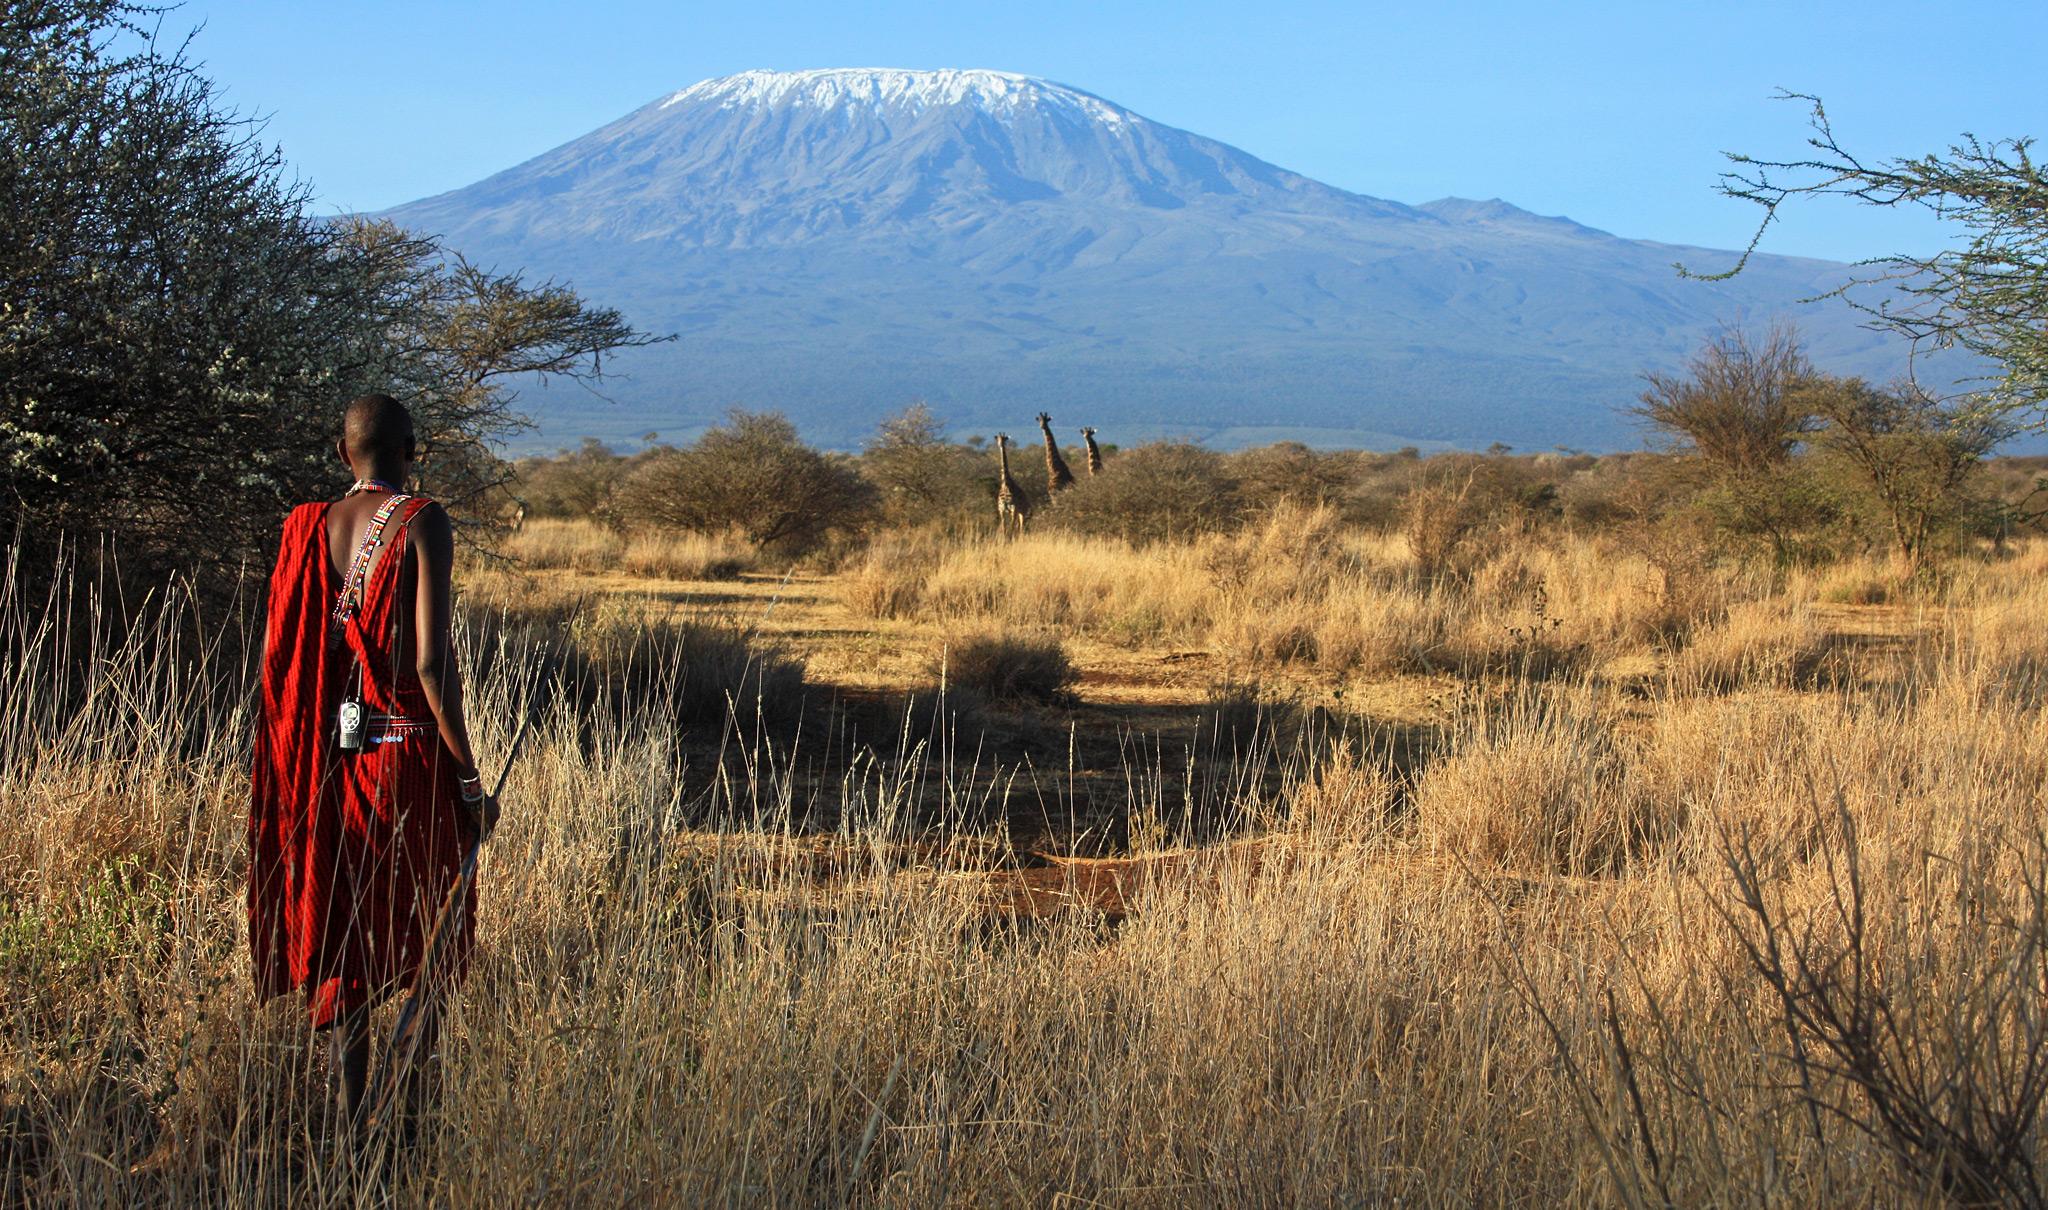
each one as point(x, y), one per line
point(483, 815)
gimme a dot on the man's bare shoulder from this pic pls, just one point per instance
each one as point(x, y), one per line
point(433, 528)
point(432, 514)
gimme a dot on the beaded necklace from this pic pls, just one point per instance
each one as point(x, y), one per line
point(351, 597)
point(371, 485)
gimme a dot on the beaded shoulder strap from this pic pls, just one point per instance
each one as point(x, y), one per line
point(351, 599)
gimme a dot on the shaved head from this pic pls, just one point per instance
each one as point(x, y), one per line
point(377, 429)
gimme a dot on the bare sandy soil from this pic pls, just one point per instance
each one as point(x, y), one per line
point(1068, 767)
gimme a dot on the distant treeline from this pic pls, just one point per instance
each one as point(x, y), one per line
point(1764, 457)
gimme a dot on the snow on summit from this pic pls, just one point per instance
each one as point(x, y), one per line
point(997, 92)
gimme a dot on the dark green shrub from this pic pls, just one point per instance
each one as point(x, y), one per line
point(1152, 493)
point(751, 474)
point(1006, 667)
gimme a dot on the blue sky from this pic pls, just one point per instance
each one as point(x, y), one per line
point(1611, 113)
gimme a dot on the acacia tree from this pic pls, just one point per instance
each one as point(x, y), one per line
point(1156, 492)
point(573, 483)
point(452, 339)
point(165, 306)
point(177, 330)
point(920, 476)
point(1739, 412)
point(752, 474)
point(1738, 404)
point(1989, 296)
point(1913, 455)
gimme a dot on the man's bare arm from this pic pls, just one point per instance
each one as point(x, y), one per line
point(434, 652)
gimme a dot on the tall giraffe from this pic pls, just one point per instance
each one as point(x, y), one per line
point(1094, 452)
point(1057, 477)
point(1012, 508)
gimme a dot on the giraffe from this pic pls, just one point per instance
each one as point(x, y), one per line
point(1057, 477)
point(1012, 509)
point(1094, 452)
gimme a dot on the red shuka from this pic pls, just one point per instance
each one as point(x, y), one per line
point(351, 855)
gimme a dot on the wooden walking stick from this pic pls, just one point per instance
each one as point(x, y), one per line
point(401, 1051)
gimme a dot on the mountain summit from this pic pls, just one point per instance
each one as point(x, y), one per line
point(837, 243)
point(785, 158)
point(999, 92)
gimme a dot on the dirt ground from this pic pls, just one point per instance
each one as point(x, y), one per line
point(1065, 771)
point(1142, 688)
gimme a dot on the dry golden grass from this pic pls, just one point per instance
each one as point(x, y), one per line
point(888, 579)
point(1510, 969)
point(667, 555)
point(549, 545)
point(1090, 585)
point(1297, 589)
point(1862, 581)
point(1538, 787)
point(1771, 642)
point(2003, 632)
point(545, 544)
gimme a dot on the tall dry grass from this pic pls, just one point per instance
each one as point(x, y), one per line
point(553, 544)
point(1521, 971)
point(1299, 587)
point(674, 555)
point(547, 543)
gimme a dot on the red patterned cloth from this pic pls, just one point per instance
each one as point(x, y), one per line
point(351, 855)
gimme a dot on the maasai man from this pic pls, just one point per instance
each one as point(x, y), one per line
point(365, 791)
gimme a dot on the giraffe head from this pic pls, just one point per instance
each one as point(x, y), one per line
point(1086, 431)
point(1045, 422)
point(1002, 440)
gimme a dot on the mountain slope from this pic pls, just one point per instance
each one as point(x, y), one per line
point(838, 243)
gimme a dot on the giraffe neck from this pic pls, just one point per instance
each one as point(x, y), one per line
point(1055, 466)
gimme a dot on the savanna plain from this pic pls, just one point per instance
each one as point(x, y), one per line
point(1458, 855)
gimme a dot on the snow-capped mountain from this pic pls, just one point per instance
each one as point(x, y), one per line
point(838, 243)
point(774, 159)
